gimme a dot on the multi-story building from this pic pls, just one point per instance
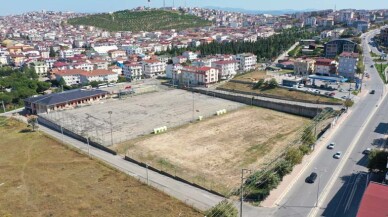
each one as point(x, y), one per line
point(325, 67)
point(133, 71)
point(66, 53)
point(337, 46)
point(346, 15)
point(41, 68)
point(198, 76)
point(246, 61)
point(152, 68)
point(347, 65)
point(384, 36)
point(70, 76)
point(190, 55)
point(226, 68)
point(99, 75)
point(304, 67)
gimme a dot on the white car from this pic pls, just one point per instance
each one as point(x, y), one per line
point(337, 155)
point(344, 97)
point(331, 145)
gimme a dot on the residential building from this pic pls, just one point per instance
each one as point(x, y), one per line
point(152, 68)
point(347, 65)
point(190, 55)
point(179, 59)
point(384, 36)
point(117, 53)
point(246, 61)
point(346, 15)
point(304, 67)
point(226, 68)
point(41, 68)
point(337, 46)
point(99, 75)
point(70, 76)
point(194, 76)
point(325, 67)
point(133, 71)
point(66, 53)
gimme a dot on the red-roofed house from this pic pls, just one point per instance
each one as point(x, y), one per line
point(374, 202)
point(226, 68)
point(71, 76)
point(191, 75)
point(325, 67)
point(99, 75)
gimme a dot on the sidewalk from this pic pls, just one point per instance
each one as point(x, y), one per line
point(289, 180)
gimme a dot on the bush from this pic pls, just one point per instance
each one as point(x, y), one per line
point(222, 209)
point(294, 156)
point(377, 161)
point(284, 168)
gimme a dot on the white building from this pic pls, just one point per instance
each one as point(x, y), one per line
point(347, 64)
point(133, 50)
point(99, 75)
point(179, 59)
point(152, 68)
point(71, 76)
point(227, 68)
point(246, 61)
point(133, 71)
point(198, 76)
point(190, 55)
point(41, 68)
point(66, 53)
point(304, 67)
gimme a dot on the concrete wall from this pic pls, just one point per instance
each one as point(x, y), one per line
point(73, 135)
point(278, 106)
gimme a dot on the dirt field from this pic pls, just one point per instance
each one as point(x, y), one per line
point(213, 152)
point(280, 92)
point(40, 177)
point(139, 115)
point(252, 76)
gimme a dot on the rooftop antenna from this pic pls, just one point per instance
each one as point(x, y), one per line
point(164, 3)
point(173, 3)
point(149, 4)
point(335, 8)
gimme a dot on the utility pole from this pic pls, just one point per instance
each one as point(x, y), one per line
point(193, 106)
point(242, 190)
point(147, 174)
point(111, 127)
point(87, 140)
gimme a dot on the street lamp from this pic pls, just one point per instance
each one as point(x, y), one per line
point(111, 127)
point(243, 171)
point(319, 181)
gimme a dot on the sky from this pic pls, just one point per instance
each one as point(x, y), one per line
point(20, 6)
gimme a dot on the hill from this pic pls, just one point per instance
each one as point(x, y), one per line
point(140, 21)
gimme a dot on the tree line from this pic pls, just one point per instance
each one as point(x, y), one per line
point(263, 48)
point(18, 84)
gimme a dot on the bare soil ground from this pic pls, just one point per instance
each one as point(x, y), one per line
point(212, 152)
point(41, 177)
point(251, 76)
point(280, 92)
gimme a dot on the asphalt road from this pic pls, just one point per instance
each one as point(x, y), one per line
point(338, 180)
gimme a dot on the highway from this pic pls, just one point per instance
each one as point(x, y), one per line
point(340, 182)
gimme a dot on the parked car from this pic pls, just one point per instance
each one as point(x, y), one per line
point(372, 92)
point(312, 177)
point(332, 94)
point(344, 97)
point(367, 151)
point(337, 155)
point(331, 145)
point(371, 66)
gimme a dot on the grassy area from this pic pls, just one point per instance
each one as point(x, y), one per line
point(251, 76)
point(373, 54)
point(381, 69)
point(296, 52)
point(141, 21)
point(281, 92)
point(41, 177)
point(286, 71)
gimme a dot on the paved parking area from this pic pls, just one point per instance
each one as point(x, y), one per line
point(139, 115)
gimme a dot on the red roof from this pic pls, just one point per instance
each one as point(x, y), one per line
point(323, 61)
point(374, 203)
point(97, 72)
point(224, 62)
point(349, 54)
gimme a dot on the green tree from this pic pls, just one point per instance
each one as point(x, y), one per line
point(122, 79)
point(294, 155)
point(348, 103)
point(272, 83)
point(32, 122)
point(377, 161)
point(42, 86)
point(52, 52)
point(259, 84)
point(223, 209)
point(308, 136)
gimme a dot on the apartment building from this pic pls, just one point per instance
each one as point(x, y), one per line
point(304, 67)
point(246, 61)
point(348, 65)
point(194, 76)
point(325, 67)
point(99, 75)
point(226, 68)
point(152, 68)
point(133, 71)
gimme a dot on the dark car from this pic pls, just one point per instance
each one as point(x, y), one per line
point(312, 177)
point(372, 92)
